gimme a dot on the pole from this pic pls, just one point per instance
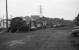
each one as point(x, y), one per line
point(6, 16)
point(40, 11)
point(3, 20)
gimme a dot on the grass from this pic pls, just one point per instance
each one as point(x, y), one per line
point(39, 39)
point(13, 36)
point(75, 42)
point(35, 42)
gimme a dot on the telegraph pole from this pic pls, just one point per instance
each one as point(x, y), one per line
point(40, 11)
point(3, 20)
point(6, 15)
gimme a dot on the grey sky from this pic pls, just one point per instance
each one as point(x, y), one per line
point(67, 9)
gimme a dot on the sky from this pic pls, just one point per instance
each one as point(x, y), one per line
point(67, 9)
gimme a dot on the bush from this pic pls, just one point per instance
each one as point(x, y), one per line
point(18, 24)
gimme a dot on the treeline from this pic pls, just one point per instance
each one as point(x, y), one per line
point(76, 20)
point(25, 24)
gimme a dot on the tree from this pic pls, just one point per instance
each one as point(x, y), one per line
point(18, 23)
point(77, 20)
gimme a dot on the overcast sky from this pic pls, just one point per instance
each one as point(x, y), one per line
point(67, 9)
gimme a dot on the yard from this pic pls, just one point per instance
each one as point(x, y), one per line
point(46, 39)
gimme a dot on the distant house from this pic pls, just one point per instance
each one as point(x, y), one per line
point(34, 17)
point(3, 23)
point(27, 18)
point(43, 20)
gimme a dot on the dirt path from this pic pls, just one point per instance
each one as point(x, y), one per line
point(49, 39)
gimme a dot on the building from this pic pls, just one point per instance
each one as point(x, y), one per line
point(35, 17)
point(3, 23)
